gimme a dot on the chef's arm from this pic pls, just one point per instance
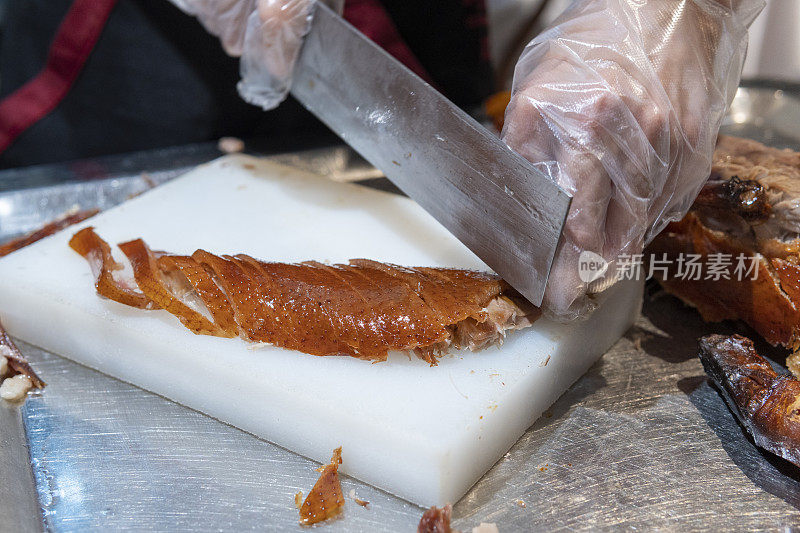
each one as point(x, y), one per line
point(620, 102)
point(266, 34)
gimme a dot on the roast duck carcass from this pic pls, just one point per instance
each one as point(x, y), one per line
point(749, 209)
point(748, 216)
point(362, 309)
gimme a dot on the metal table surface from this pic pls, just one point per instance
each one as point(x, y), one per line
point(642, 441)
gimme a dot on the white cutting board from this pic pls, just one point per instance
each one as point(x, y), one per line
point(423, 433)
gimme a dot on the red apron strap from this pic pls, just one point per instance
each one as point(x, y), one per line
point(74, 41)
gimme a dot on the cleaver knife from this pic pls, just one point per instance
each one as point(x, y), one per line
point(492, 199)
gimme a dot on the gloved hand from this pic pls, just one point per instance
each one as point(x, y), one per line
point(620, 103)
point(267, 34)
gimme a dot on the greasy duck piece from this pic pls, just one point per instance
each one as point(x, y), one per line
point(749, 206)
point(763, 303)
point(202, 282)
point(436, 520)
point(776, 170)
point(495, 108)
point(746, 198)
point(326, 499)
point(46, 231)
point(17, 365)
point(362, 309)
point(150, 280)
point(766, 403)
point(16, 362)
point(98, 253)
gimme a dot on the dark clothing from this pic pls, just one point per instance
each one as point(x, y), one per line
point(156, 78)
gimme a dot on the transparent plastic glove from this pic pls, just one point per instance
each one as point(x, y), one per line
point(267, 34)
point(272, 43)
point(620, 103)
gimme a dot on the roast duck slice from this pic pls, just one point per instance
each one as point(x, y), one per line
point(362, 309)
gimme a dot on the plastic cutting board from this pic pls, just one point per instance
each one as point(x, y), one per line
point(423, 433)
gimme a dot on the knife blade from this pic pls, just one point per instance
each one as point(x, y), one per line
point(492, 199)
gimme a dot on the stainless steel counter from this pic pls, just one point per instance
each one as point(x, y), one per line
point(642, 441)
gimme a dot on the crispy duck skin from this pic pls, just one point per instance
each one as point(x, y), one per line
point(362, 309)
point(46, 231)
point(16, 362)
point(766, 403)
point(436, 520)
point(98, 253)
point(8, 349)
point(747, 198)
point(751, 206)
point(325, 500)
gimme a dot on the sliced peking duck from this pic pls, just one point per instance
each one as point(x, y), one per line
point(362, 309)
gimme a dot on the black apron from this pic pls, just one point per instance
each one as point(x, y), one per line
point(156, 78)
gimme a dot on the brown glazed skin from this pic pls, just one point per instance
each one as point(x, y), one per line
point(747, 198)
point(362, 309)
point(325, 499)
point(46, 231)
point(766, 403)
point(436, 520)
point(16, 362)
point(748, 206)
point(769, 304)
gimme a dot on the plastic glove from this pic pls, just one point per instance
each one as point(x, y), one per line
point(267, 34)
point(620, 103)
point(272, 43)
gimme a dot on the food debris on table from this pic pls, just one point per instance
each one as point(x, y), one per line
point(362, 309)
point(485, 527)
point(325, 499)
point(359, 501)
point(16, 375)
point(765, 402)
point(436, 520)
